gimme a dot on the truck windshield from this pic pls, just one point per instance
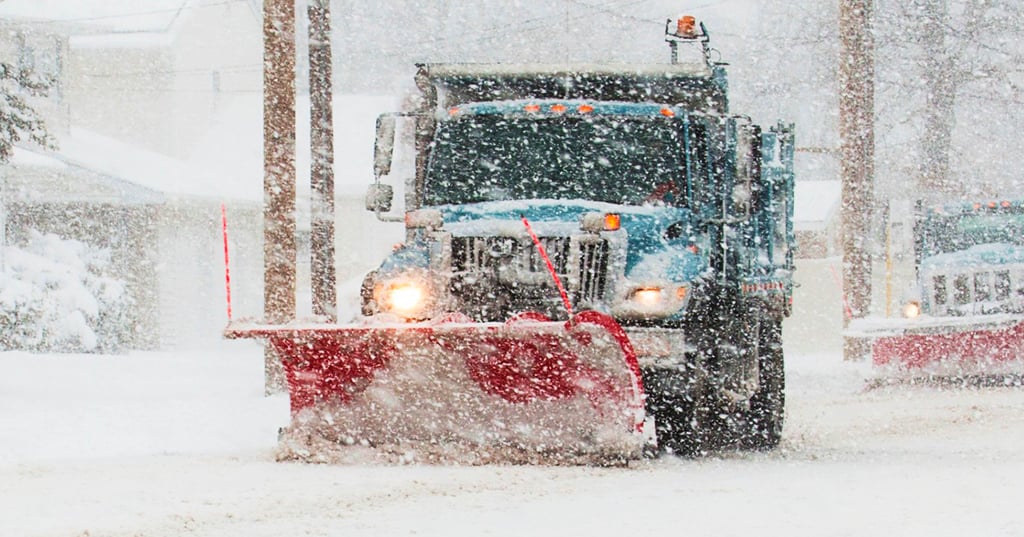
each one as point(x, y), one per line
point(943, 234)
point(624, 160)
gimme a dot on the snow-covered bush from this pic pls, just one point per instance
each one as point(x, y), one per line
point(56, 296)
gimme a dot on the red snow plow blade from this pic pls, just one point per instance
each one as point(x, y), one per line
point(528, 390)
point(942, 347)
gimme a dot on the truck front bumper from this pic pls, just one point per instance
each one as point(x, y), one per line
point(659, 348)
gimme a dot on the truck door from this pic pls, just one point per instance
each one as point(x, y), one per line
point(699, 188)
point(777, 193)
point(743, 194)
point(746, 160)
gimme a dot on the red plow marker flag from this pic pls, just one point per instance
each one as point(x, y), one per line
point(227, 264)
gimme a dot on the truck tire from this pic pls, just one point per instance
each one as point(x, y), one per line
point(676, 416)
point(763, 422)
point(724, 336)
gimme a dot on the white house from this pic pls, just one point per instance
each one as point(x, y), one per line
point(158, 115)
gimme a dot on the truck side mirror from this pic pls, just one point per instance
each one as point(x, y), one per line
point(746, 185)
point(378, 198)
point(384, 145)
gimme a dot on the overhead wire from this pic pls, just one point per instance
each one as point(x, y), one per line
point(184, 5)
point(490, 33)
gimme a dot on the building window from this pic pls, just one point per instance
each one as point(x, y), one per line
point(43, 56)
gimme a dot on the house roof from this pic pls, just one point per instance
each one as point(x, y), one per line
point(92, 167)
point(815, 203)
point(226, 164)
point(37, 177)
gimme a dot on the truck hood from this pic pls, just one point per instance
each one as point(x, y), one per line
point(975, 257)
point(659, 237)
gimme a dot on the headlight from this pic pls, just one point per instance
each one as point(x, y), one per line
point(647, 296)
point(650, 296)
point(406, 298)
point(658, 300)
point(911, 309)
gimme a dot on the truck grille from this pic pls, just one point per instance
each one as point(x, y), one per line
point(593, 271)
point(976, 292)
point(479, 253)
point(582, 265)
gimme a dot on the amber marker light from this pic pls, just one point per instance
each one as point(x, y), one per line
point(612, 222)
point(532, 108)
point(667, 112)
point(585, 109)
point(686, 26)
point(558, 108)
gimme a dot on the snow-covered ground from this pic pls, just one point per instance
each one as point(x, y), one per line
point(159, 444)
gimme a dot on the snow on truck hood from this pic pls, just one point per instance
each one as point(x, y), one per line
point(975, 256)
point(645, 224)
point(540, 211)
point(651, 254)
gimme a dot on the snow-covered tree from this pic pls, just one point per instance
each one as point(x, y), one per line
point(56, 295)
point(950, 69)
point(17, 118)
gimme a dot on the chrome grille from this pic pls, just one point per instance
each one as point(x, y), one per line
point(590, 257)
point(976, 292)
point(593, 271)
point(479, 253)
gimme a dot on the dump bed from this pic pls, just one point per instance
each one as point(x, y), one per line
point(694, 86)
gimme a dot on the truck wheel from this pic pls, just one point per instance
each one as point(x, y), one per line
point(678, 427)
point(763, 422)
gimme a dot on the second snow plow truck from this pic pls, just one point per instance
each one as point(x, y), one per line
point(964, 313)
point(597, 257)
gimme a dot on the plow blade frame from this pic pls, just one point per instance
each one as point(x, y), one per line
point(969, 347)
point(431, 382)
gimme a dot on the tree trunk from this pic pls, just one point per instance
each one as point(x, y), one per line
point(939, 73)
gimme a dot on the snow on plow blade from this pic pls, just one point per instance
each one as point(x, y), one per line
point(947, 347)
point(529, 390)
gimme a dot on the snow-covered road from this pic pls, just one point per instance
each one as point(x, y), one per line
point(180, 444)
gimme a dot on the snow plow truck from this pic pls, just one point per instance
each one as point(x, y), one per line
point(964, 314)
point(597, 260)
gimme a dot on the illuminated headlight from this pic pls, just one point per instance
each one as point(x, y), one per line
point(648, 296)
point(911, 310)
point(652, 301)
point(407, 298)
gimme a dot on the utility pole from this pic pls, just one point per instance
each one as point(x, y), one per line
point(941, 73)
point(321, 179)
point(856, 132)
point(279, 252)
